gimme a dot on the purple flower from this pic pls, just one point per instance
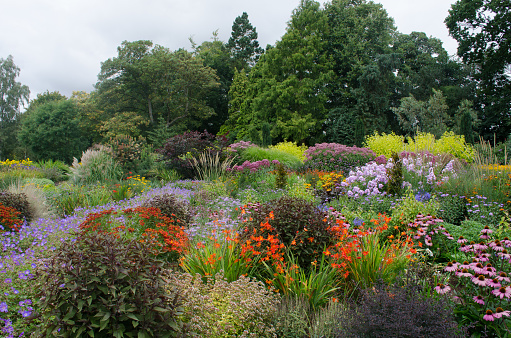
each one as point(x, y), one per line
point(3, 307)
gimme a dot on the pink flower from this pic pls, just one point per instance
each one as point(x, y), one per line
point(489, 316)
point(493, 283)
point(502, 292)
point(441, 288)
point(486, 230)
point(503, 277)
point(465, 265)
point(499, 312)
point(451, 267)
point(479, 280)
point(478, 299)
point(462, 240)
point(464, 273)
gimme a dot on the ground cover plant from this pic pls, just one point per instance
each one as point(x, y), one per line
point(259, 249)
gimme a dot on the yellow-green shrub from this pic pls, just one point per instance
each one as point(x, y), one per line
point(385, 144)
point(291, 148)
point(456, 146)
point(421, 142)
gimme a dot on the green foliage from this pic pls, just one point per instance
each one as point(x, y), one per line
point(280, 177)
point(429, 117)
point(359, 133)
point(124, 124)
point(470, 230)
point(455, 145)
point(218, 308)
point(243, 45)
point(97, 164)
point(171, 206)
point(453, 208)
point(253, 154)
point(266, 135)
point(395, 174)
point(18, 202)
point(409, 207)
point(52, 131)
point(13, 95)
point(106, 285)
point(54, 170)
point(66, 198)
point(131, 153)
point(299, 225)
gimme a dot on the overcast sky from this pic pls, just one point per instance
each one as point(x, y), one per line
point(59, 44)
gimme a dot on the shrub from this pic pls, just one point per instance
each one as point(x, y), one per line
point(297, 223)
point(54, 170)
point(453, 209)
point(395, 311)
point(96, 165)
point(106, 285)
point(384, 144)
point(291, 148)
point(178, 151)
point(170, 206)
point(145, 224)
point(395, 176)
point(337, 157)
point(17, 201)
point(217, 308)
point(456, 146)
point(9, 219)
point(254, 154)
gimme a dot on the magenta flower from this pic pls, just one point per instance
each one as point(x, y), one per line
point(451, 267)
point(462, 240)
point(479, 280)
point(502, 292)
point(464, 273)
point(441, 288)
point(503, 277)
point(493, 283)
point(486, 230)
point(478, 299)
point(499, 312)
point(489, 316)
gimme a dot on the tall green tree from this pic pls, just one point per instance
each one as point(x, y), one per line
point(52, 131)
point(287, 86)
point(13, 96)
point(483, 31)
point(425, 116)
point(243, 44)
point(216, 55)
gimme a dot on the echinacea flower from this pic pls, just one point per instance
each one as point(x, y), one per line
point(464, 273)
point(479, 280)
point(499, 312)
point(441, 288)
point(502, 276)
point(502, 292)
point(462, 240)
point(451, 267)
point(493, 283)
point(486, 230)
point(478, 299)
point(489, 316)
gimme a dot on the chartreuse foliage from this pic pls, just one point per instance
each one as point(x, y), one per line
point(104, 286)
point(449, 143)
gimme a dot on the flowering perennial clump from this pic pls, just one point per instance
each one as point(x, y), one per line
point(337, 157)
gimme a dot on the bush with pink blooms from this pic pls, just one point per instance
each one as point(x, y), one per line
point(337, 157)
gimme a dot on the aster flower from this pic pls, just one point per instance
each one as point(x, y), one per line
point(478, 299)
point(502, 292)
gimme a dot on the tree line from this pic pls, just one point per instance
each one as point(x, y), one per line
point(339, 72)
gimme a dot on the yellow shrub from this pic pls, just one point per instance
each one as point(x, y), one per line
point(421, 142)
point(456, 146)
point(384, 144)
point(291, 148)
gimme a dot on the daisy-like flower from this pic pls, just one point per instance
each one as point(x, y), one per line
point(484, 257)
point(489, 270)
point(478, 299)
point(465, 265)
point(493, 283)
point(477, 267)
point(504, 254)
point(464, 273)
point(499, 312)
point(502, 276)
point(506, 242)
point(496, 245)
point(462, 240)
point(479, 280)
point(441, 288)
point(489, 316)
point(502, 292)
point(480, 246)
point(451, 267)
point(486, 230)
